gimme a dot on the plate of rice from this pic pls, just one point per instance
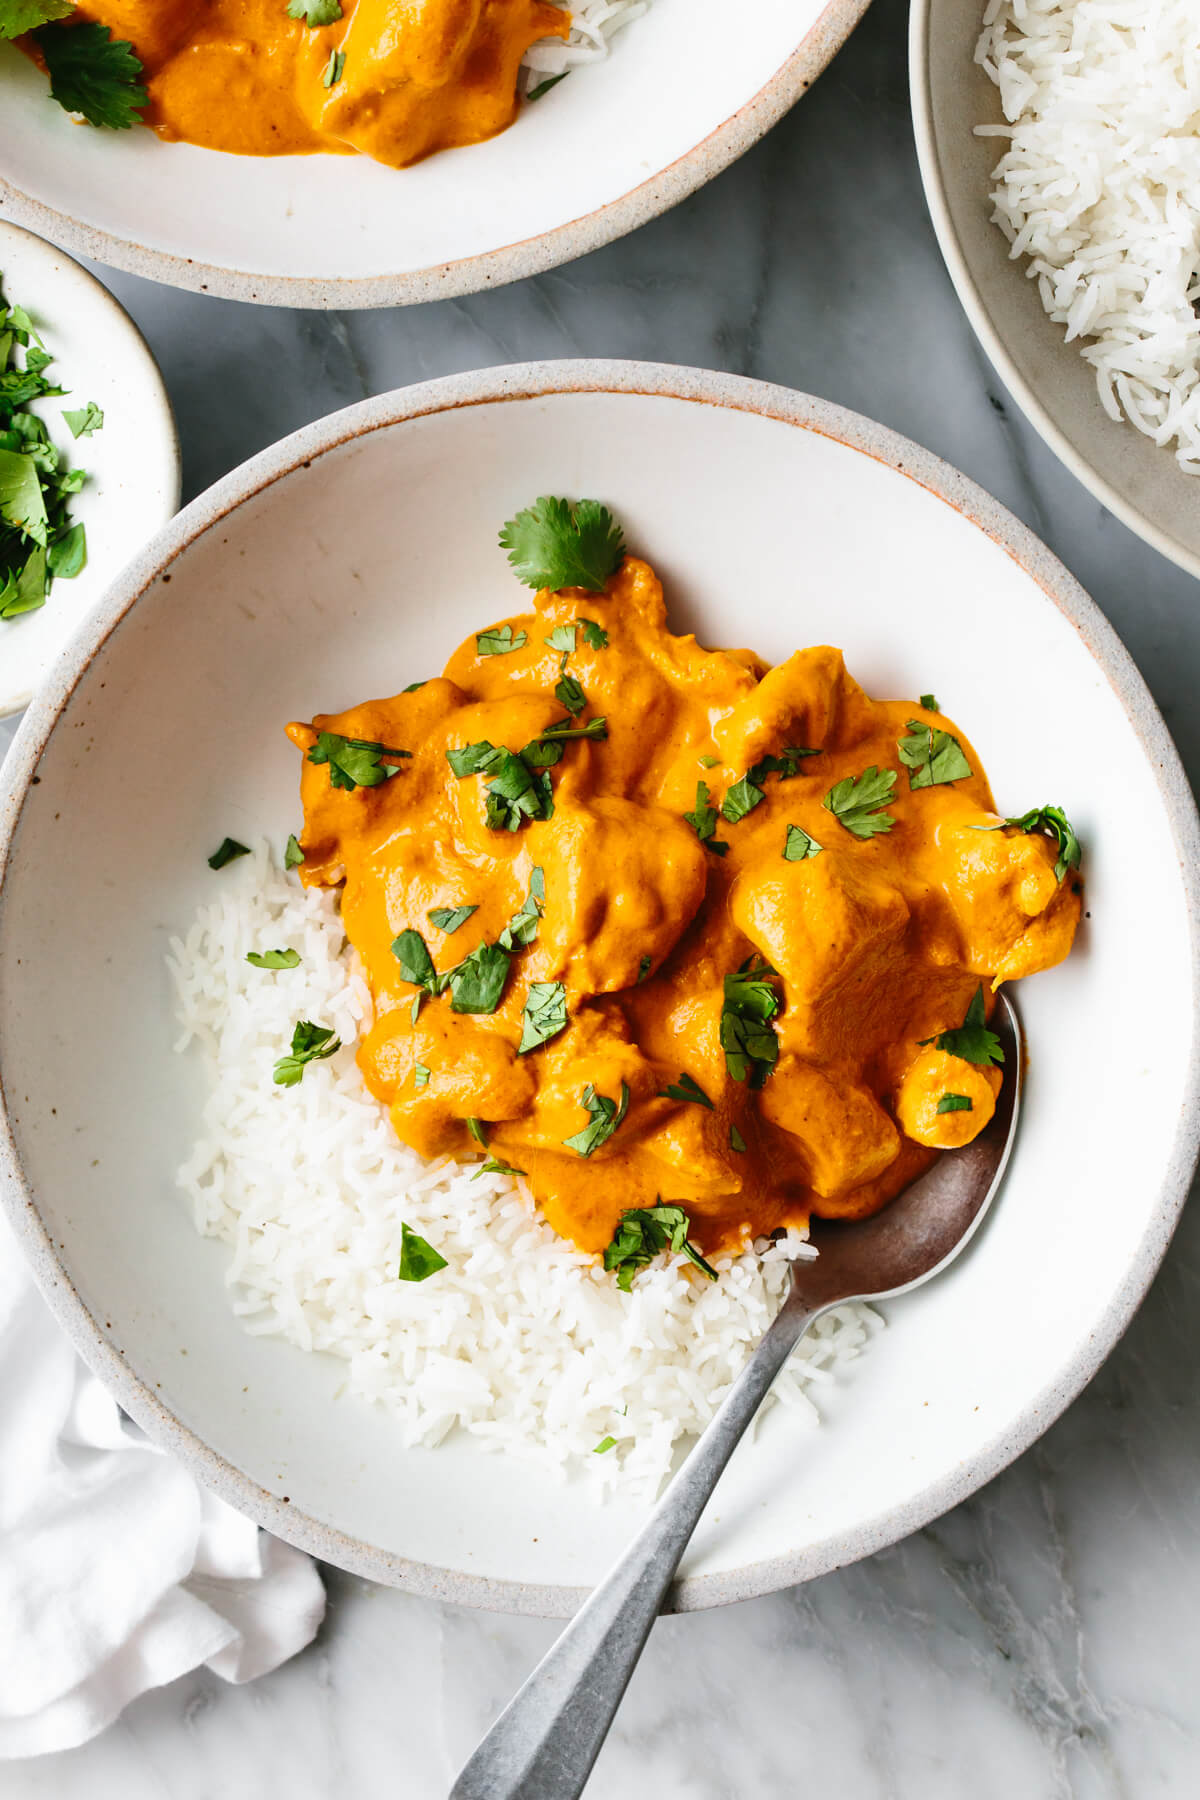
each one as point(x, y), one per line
point(1059, 143)
point(660, 95)
point(225, 1249)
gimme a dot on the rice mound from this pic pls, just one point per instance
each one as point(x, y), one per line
point(523, 1341)
point(1100, 189)
point(593, 24)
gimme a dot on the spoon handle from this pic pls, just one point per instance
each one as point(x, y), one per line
point(543, 1745)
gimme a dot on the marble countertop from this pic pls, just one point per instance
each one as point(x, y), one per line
point(1041, 1640)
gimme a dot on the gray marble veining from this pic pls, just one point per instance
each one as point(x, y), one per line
point(1041, 1641)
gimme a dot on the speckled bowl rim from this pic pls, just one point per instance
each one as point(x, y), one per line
point(492, 268)
point(973, 304)
point(701, 387)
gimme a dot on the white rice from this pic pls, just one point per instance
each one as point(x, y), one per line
point(522, 1341)
point(593, 25)
point(1100, 189)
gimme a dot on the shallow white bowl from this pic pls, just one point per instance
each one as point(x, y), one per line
point(132, 462)
point(349, 560)
point(1141, 484)
point(685, 91)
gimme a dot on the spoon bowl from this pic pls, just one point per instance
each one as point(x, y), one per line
point(544, 1744)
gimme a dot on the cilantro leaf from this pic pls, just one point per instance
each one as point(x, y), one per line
point(498, 641)
point(25, 590)
point(21, 501)
point(416, 965)
point(293, 855)
point(643, 1233)
point(798, 846)
point(545, 1014)
point(604, 1115)
point(449, 918)
point(93, 74)
point(929, 702)
point(971, 1040)
point(315, 13)
point(570, 694)
point(1054, 822)
point(418, 1259)
point(565, 731)
point(522, 928)
point(478, 1131)
point(594, 635)
point(227, 851)
point(332, 75)
point(493, 1166)
point(954, 1103)
point(741, 798)
point(687, 1089)
point(274, 959)
point(606, 1443)
point(933, 758)
point(354, 762)
point(746, 794)
point(543, 87)
point(554, 544)
point(857, 802)
point(310, 1043)
point(561, 638)
point(85, 421)
point(477, 983)
point(67, 554)
point(703, 821)
point(644, 966)
point(736, 1140)
point(747, 1038)
point(19, 16)
point(421, 1074)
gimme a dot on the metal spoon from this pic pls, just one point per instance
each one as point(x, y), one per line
point(543, 1746)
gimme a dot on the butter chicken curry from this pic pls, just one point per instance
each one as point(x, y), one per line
point(661, 926)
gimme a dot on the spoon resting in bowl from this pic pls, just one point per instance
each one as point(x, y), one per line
point(545, 1742)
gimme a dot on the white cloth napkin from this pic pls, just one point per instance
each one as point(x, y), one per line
point(117, 1572)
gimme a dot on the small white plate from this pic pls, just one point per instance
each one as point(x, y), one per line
point(687, 87)
point(132, 462)
point(1141, 484)
point(350, 560)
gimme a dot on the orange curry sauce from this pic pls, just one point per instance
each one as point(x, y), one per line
point(875, 943)
point(418, 75)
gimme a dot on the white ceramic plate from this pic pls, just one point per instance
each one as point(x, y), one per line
point(685, 91)
point(349, 560)
point(132, 463)
point(1048, 378)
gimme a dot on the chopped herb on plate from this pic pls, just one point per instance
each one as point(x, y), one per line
point(933, 758)
point(604, 1116)
point(449, 918)
point(274, 959)
point(747, 1038)
point(310, 1043)
point(498, 640)
point(477, 983)
point(954, 1103)
point(522, 928)
point(798, 846)
point(971, 1040)
point(545, 1014)
point(293, 855)
point(227, 851)
point(85, 421)
point(418, 1259)
point(687, 1089)
point(644, 1233)
point(606, 1443)
point(857, 802)
point(355, 762)
point(703, 821)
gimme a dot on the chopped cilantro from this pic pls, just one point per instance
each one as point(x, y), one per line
point(933, 758)
point(561, 638)
point(334, 68)
point(418, 1259)
point(449, 918)
point(594, 635)
point(857, 801)
point(736, 1140)
point(709, 762)
point(545, 1014)
point(929, 702)
point(971, 1040)
point(310, 1043)
point(93, 74)
point(522, 928)
point(293, 855)
point(747, 1038)
point(477, 983)
point(644, 967)
point(421, 1074)
point(354, 762)
point(498, 641)
point(543, 87)
point(954, 1103)
point(606, 1443)
point(85, 420)
point(274, 959)
point(798, 846)
point(1054, 822)
point(687, 1089)
point(227, 851)
point(315, 12)
point(570, 694)
point(643, 1233)
point(605, 1115)
point(416, 965)
point(745, 794)
point(478, 1131)
point(493, 1166)
point(19, 16)
point(556, 544)
point(703, 821)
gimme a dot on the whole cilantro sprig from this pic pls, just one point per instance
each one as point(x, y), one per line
point(559, 544)
point(93, 74)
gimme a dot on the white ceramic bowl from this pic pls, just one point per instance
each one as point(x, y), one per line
point(349, 560)
point(685, 91)
point(1048, 378)
point(132, 463)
